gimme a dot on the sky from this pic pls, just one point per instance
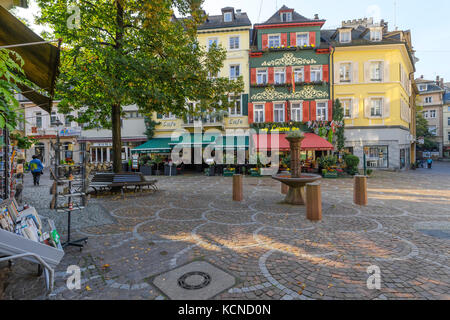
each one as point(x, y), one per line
point(429, 21)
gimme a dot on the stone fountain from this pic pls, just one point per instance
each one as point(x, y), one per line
point(296, 180)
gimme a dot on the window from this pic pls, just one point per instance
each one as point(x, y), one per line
point(286, 16)
point(345, 36)
point(67, 121)
point(168, 116)
point(38, 120)
point(376, 71)
point(432, 114)
point(448, 121)
point(376, 107)
point(213, 76)
point(345, 72)
point(425, 114)
point(274, 40)
point(53, 119)
point(227, 17)
point(428, 99)
point(375, 35)
point(258, 113)
point(213, 41)
point(298, 74)
point(236, 109)
point(261, 76)
point(278, 112)
point(302, 39)
point(448, 109)
point(432, 130)
point(322, 111)
point(235, 71)
point(296, 112)
point(316, 73)
point(279, 76)
point(347, 106)
point(448, 137)
point(234, 43)
point(423, 87)
point(377, 156)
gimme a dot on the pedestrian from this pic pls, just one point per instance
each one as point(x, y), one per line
point(36, 167)
point(430, 163)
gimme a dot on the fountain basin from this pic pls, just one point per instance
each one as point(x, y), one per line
point(296, 194)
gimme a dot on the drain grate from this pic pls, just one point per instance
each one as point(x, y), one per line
point(194, 280)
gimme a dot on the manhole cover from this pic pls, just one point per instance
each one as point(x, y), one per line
point(197, 280)
point(194, 280)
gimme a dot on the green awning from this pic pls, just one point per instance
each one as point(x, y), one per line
point(193, 140)
point(156, 145)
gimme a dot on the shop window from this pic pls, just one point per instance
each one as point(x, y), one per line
point(376, 156)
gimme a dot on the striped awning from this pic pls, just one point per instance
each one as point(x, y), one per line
point(312, 142)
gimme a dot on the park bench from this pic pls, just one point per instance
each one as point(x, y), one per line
point(120, 181)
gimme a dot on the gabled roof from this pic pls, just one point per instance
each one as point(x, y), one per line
point(215, 22)
point(296, 18)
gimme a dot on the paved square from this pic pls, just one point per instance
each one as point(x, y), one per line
point(198, 280)
point(271, 249)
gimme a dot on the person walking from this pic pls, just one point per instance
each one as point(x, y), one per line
point(430, 163)
point(36, 168)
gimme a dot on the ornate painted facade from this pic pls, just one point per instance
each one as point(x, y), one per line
point(289, 70)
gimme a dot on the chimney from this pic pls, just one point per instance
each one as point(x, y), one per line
point(442, 83)
point(437, 80)
point(421, 77)
point(316, 17)
point(238, 12)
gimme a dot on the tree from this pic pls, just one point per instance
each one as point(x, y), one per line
point(422, 130)
point(134, 52)
point(338, 116)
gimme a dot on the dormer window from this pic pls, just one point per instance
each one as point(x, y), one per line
point(227, 17)
point(345, 36)
point(423, 87)
point(376, 34)
point(286, 16)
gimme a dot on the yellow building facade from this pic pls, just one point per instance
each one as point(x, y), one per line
point(373, 78)
point(230, 30)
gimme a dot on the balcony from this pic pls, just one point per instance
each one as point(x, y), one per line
point(206, 121)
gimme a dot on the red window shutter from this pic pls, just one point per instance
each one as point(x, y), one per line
point(326, 72)
point(293, 40)
point(253, 76)
point(284, 39)
point(265, 41)
point(289, 74)
point(313, 110)
point(305, 111)
point(330, 110)
point(271, 76)
point(269, 112)
point(312, 38)
point(250, 113)
point(307, 73)
point(288, 114)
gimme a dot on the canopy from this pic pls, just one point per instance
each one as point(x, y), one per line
point(41, 60)
point(311, 142)
point(156, 145)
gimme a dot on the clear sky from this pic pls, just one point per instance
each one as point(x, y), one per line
point(429, 21)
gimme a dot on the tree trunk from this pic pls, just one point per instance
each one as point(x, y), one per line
point(116, 139)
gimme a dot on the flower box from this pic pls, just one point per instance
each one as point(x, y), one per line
point(255, 173)
point(330, 175)
point(228, 173)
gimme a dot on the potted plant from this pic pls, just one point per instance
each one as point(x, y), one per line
point(352, 163)
point(369, 172)
point(328, 164)
point(210, 171)
point(157, 160)
point(145, 166)
point(255, 159)
point(228, 172)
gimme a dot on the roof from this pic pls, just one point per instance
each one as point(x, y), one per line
point(215, 22)
point(296, 18)
point(311, 142)
point(41, 60)
point(431, 86)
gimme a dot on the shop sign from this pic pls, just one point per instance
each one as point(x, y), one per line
point(235, 122)
point(69, 132)
point(135, 161)
point(169, 124)
point(102, 144)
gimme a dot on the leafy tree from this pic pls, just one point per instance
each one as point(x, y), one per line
point(338, 116)
point(134, 52)
point(150, 125)
point(423, 131)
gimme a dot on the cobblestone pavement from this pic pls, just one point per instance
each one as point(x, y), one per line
point(270, 247)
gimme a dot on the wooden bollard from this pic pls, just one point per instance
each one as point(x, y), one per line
point(284, 188)
point(313, 202)
point(360, 191)
point(238, 194)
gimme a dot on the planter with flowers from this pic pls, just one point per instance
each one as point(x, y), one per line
point(229, 172)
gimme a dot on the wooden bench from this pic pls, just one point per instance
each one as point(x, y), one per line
point(121, 180)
